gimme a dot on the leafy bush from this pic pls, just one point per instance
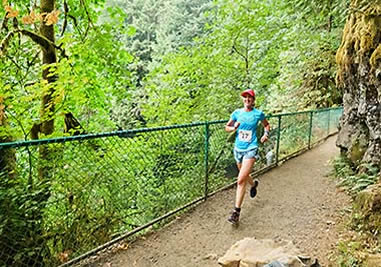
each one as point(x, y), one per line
point(347, 254)
point(364, 223)
point(354, 181)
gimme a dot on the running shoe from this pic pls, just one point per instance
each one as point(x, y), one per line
point(234, 218)
point(253, 189)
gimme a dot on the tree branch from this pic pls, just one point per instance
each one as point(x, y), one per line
point(14, 62)
point(4, 25)
point(20, 125)
point(90, 22)
point(75, 24)
point(238, 52)
point(45, 43)
point(5, 43)
point(66, 10)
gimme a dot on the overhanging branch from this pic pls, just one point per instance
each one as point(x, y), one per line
point(42, 41)
point(5, 42)
point(4, 25)
point(66, 10)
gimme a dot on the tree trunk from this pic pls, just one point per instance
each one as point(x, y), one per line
point(7, 156)
point(359, 76)
point(7, 176)
point(48, 57)
point(47, 104)
point(46, 128)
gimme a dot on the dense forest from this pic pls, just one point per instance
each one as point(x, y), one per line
point(71, 67)
point(104, 65)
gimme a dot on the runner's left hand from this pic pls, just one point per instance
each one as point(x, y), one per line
point(264, 138)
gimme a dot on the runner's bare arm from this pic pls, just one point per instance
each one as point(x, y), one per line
point(265, 136)
point(231, 125)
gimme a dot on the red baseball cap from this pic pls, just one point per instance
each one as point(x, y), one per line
point(248, 92)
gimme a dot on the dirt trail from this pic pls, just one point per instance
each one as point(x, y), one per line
point(295, 201)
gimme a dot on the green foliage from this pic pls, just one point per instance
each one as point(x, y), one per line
point(307, 63)
point(351, 179)
point(183, 92)
point(363, 222)
point(127, 64)
point(347, 253)
point(92, 76)
point(94, 83)
point(20, 223)
point(200, 82)
point(286, 56)
point(101, 187)
point(294, 133)
point(93, 194)
point(159, 27)
point(342, 167)
point(190, 60)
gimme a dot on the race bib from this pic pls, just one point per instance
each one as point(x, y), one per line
point(245, 136)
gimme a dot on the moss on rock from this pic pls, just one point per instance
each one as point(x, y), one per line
point(368, 205)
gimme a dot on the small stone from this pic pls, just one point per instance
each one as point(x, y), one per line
point(211, 256)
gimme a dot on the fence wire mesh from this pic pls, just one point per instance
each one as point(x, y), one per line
point(60, 198)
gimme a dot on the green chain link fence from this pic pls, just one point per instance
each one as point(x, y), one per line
point(64, 199)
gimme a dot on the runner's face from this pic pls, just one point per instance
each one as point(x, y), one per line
point(248, 101)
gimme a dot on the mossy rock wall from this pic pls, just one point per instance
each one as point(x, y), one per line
point(368, 205)
point(359, 76)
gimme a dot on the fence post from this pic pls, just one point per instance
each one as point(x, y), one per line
point(206, 158)
point(310, 130)
point(278, 138)
point(329, 118)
